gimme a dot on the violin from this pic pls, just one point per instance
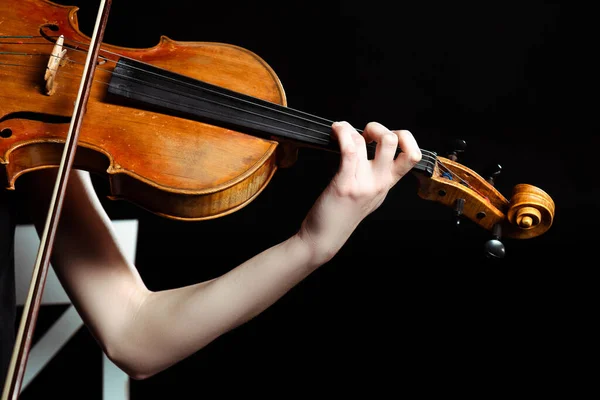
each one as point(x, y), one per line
point(189, 130)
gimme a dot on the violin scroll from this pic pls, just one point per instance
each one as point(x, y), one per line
point(531, 211)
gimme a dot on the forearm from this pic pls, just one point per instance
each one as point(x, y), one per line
point(175, 323)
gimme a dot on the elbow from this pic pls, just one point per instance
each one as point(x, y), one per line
point(136, 373)
point(135, 367)
point(139, 375)
point(122, 345)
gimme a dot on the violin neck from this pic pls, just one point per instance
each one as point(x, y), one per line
point(181, 95)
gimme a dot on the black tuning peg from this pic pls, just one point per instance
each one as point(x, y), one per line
point(459, 207)
point(494, 247)
point(455, 147)
point(492, 173)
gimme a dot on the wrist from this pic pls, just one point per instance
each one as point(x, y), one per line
point(317, 251)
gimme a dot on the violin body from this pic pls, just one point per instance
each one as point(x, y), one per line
point(175, 167)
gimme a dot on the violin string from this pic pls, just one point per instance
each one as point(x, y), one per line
point(427, 155)
point(430, 156)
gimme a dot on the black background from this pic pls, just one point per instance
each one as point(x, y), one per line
point(409, 304)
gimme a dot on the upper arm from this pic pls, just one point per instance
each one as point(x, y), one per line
point(103, 285)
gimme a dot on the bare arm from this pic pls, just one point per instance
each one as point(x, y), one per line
point(145, 332)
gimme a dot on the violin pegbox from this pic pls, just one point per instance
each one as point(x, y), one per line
point(528, 213)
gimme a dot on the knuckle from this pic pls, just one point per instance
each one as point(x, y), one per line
point(414, 156)
point(345, 190)
point(372, 125)
point(389, 140)
point(359, 140)
point(418, 156)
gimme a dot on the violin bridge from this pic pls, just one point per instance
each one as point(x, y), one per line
point(55, 61)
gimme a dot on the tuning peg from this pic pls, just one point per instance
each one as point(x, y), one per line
point(492, 173)
point(456, 146)
point(458, 210)
point(494, 247)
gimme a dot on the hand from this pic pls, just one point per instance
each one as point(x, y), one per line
point(360, 185)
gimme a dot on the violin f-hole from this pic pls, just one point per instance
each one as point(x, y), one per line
point(53, 28)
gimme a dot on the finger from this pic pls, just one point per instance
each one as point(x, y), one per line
point(362, 157)
point(345, 134)
point(410, 153)
point(387, 145)
point(359, 141)
point(361, 148)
